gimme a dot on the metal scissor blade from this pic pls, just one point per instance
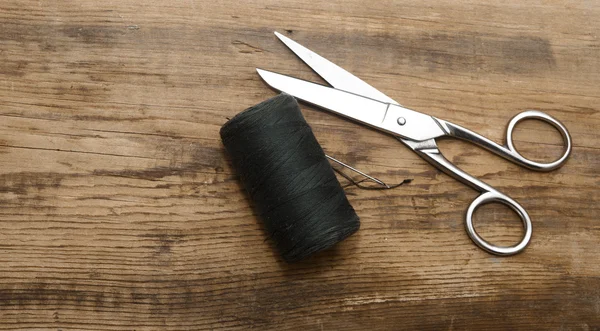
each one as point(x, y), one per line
point(333, 74)
point(391, 118)
point(355, 107)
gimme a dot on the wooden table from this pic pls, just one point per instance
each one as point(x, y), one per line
point(119, 208)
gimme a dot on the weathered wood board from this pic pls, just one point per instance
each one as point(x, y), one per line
point(119, 209)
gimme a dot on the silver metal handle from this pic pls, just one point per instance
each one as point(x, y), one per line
point(509, 151)
point(428, 150)
point(495, 196)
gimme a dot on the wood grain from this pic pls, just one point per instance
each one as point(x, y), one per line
point(119, 209)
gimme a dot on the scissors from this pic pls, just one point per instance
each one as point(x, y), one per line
point(352, 98)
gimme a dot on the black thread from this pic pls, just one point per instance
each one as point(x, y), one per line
point(371, 188)
point(289, 179)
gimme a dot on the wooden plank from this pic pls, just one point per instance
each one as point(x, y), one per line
point(120, 208)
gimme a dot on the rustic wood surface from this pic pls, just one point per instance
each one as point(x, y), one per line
point(119, 209)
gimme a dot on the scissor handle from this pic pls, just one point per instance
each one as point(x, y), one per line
point(495, 196)
point(429, 151)
point(509, 151)
point(538, 115)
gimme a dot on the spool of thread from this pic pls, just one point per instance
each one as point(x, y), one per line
point(289, 179)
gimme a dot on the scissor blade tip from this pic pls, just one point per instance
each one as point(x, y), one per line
point(261, 71)
point(264, 74)
point(281, 37)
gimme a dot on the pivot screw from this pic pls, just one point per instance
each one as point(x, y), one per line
point(401, 120)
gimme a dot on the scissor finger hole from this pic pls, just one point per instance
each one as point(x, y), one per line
point(498, 224)
point(538, 140)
